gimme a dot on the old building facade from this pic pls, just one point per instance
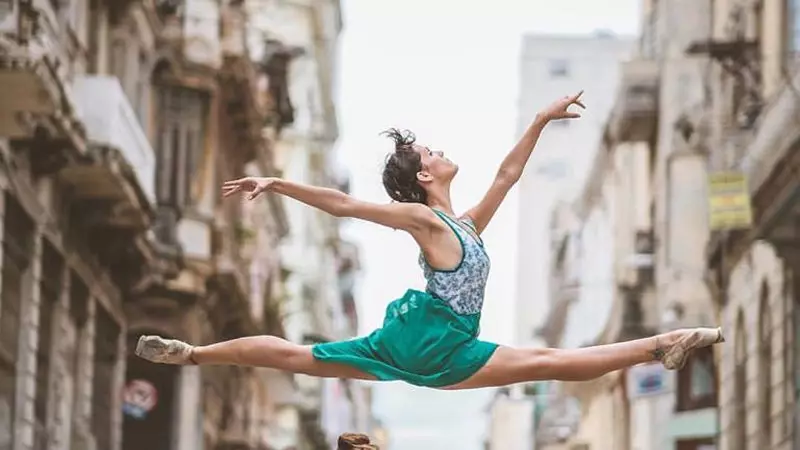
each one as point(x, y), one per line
point(712, 91)
point(753, 49)
point(118, 121)
point(319, 266)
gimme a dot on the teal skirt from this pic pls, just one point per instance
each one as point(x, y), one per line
point(422, 342)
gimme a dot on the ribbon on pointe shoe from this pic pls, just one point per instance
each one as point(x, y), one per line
point(675, 356)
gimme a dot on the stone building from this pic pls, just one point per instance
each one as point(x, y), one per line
point(118, 121)
point(753, 130)
point(319, 266)
point(649, 183)
point(714, 90)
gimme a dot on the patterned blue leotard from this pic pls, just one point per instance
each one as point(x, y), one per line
point(463, 287)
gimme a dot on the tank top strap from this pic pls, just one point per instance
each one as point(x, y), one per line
point(457, 229)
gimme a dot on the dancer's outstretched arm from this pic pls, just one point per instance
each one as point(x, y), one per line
point(410, 217)
point(512, 166)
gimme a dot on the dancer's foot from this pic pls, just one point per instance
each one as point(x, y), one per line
point(674, 354)
point(164, 351)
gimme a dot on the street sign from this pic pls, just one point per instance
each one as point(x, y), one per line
point(647, 380)
point(729, 201)
point(139, 397)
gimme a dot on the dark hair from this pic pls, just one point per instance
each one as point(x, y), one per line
point(401, 168)
point(355, 441)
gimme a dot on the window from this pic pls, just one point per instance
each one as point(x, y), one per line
point(765, 368)
point(793, 25)
point(695, 444)
point(697, 387)
point(127, 63)
point(740, 387)
point(141, 95)
point(180, 143)
point(559, 68)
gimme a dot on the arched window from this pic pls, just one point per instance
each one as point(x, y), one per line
point(765, 367)
point(739, 426)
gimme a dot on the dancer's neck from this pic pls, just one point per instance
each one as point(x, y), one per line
point(441, 202)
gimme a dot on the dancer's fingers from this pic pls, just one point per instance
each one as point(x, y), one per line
point(256, 192)
point(230, 191)
point(232, 183)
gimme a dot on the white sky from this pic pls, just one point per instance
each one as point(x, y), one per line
point(447, 70)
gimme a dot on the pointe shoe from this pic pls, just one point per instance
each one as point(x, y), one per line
point(164, 351)
point(675, 356)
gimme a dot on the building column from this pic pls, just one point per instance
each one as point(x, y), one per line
point(790, 254)
point(119, 384)
point(82, 409)
point(187, 422)
point(61, 385)
point(24, 420)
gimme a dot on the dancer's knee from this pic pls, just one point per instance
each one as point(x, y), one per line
point(561, 365)
point(542, 362)
point(268, 351)
point(283, 350)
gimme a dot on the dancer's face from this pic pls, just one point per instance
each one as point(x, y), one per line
point(435, 166)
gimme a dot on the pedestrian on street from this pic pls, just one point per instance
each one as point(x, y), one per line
point(355, 441)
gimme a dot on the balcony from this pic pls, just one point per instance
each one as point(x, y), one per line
point(769, 156)
point(636, 111)
point(112, 124)
point(771, 164)
point(31, 87)
point(36, 113)
point(113, 186)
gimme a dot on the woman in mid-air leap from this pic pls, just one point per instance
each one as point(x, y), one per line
point(430, 338)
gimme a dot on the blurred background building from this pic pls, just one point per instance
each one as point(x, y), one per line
point(673, 203)
point(556, 176)
point(688, 216)
point(118, 122)
point(552, 64)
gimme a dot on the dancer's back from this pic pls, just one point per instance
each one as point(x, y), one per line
point(464, 285)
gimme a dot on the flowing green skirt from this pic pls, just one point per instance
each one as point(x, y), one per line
point(422, 342)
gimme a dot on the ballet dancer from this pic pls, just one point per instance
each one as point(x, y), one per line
point(430, 338)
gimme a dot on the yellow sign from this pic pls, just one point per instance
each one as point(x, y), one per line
point(729, 201)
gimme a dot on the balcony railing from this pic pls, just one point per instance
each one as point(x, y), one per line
point(111, 122)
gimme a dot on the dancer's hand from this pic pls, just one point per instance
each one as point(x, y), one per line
point(558, 110)
point(254, 186)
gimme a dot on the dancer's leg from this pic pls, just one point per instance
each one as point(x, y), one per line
point(257, 351)
point(511, 365)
